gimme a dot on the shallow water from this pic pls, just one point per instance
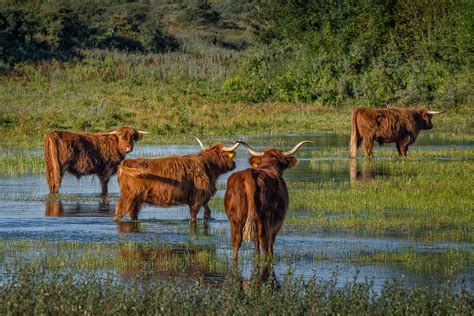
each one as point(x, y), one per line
point(80, 215)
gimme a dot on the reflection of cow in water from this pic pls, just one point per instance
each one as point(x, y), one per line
point(365, 171)
point(165, 262)
point(391, 125)
point(56, 208)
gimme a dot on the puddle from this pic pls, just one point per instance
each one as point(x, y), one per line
point(80, 215)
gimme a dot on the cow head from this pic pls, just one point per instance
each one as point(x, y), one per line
point(273, 158)
point(424, 118)
point(224, 156)
point(127, 136)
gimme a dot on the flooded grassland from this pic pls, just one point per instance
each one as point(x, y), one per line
point(352, 226)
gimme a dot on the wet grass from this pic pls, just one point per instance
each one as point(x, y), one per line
point(446, 263)
point(420, 199)
point(148, 278)
point(18, 164)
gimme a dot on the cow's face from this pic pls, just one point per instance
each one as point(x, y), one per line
point(225, 157)
point(127, 137)
point(425, 120)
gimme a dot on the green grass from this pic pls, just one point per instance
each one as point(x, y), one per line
point(179, 95)
point(445, 263)
point(17, 164)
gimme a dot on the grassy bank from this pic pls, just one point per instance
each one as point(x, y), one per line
point(177, 96)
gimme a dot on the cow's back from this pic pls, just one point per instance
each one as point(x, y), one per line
point(165, 181)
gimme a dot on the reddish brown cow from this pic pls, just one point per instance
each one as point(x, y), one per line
point(176, 180)
point(391, 125)
point(257, 198)
point(86, 154)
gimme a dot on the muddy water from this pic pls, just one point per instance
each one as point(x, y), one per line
point(80, 215)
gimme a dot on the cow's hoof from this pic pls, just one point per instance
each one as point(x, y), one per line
point(117, 218)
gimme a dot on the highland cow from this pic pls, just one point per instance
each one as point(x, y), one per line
point(86, 154)
point(176, 180)
point(391, 125)
point(256, 200)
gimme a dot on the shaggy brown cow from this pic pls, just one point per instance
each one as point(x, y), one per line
point(391, 125)
point(257, 198)
point(86, 154)
point(175, 180)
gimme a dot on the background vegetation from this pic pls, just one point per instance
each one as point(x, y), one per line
point(198, 66)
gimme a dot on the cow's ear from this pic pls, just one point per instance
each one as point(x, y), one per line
point(231, 154)
point(255, 161)
point(291, 161)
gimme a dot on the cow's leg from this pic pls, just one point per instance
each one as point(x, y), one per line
point(193, 211)
point(53, 177)
point(124, 204)
point(134, 209)
point(368, 147)
point(236, 235)
point(207, 211)
point(399, 149)
point(256, 243)
point(104, 182)
point(262, 236)
point(270, 238)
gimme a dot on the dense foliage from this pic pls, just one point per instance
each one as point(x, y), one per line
point(374, 51)
point(43, 29)
point(378, 52)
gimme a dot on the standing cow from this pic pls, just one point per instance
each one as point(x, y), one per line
point(176, 180)
point(257, 198)
point(86, 154)
point(391, 125)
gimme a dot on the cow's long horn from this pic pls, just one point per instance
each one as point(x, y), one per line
point(142, 132)
point(250, 149)
point(200, 143)
point(234, 147)
point(295, 149)
point(111, 133)
point(435, 112)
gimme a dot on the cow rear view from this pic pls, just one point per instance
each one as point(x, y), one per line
point(256, 200)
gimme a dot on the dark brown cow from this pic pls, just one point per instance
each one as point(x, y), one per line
point(176, 180)
point(257, 198)
point(86, 154)
point(391, 125)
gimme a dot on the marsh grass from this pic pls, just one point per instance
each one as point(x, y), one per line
point(18, 164)
point(37, 290)
point(423, 199)
point(445, 263)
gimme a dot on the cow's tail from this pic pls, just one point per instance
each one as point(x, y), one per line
point(53, 168)
point(249, 227)
point(355, 138)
